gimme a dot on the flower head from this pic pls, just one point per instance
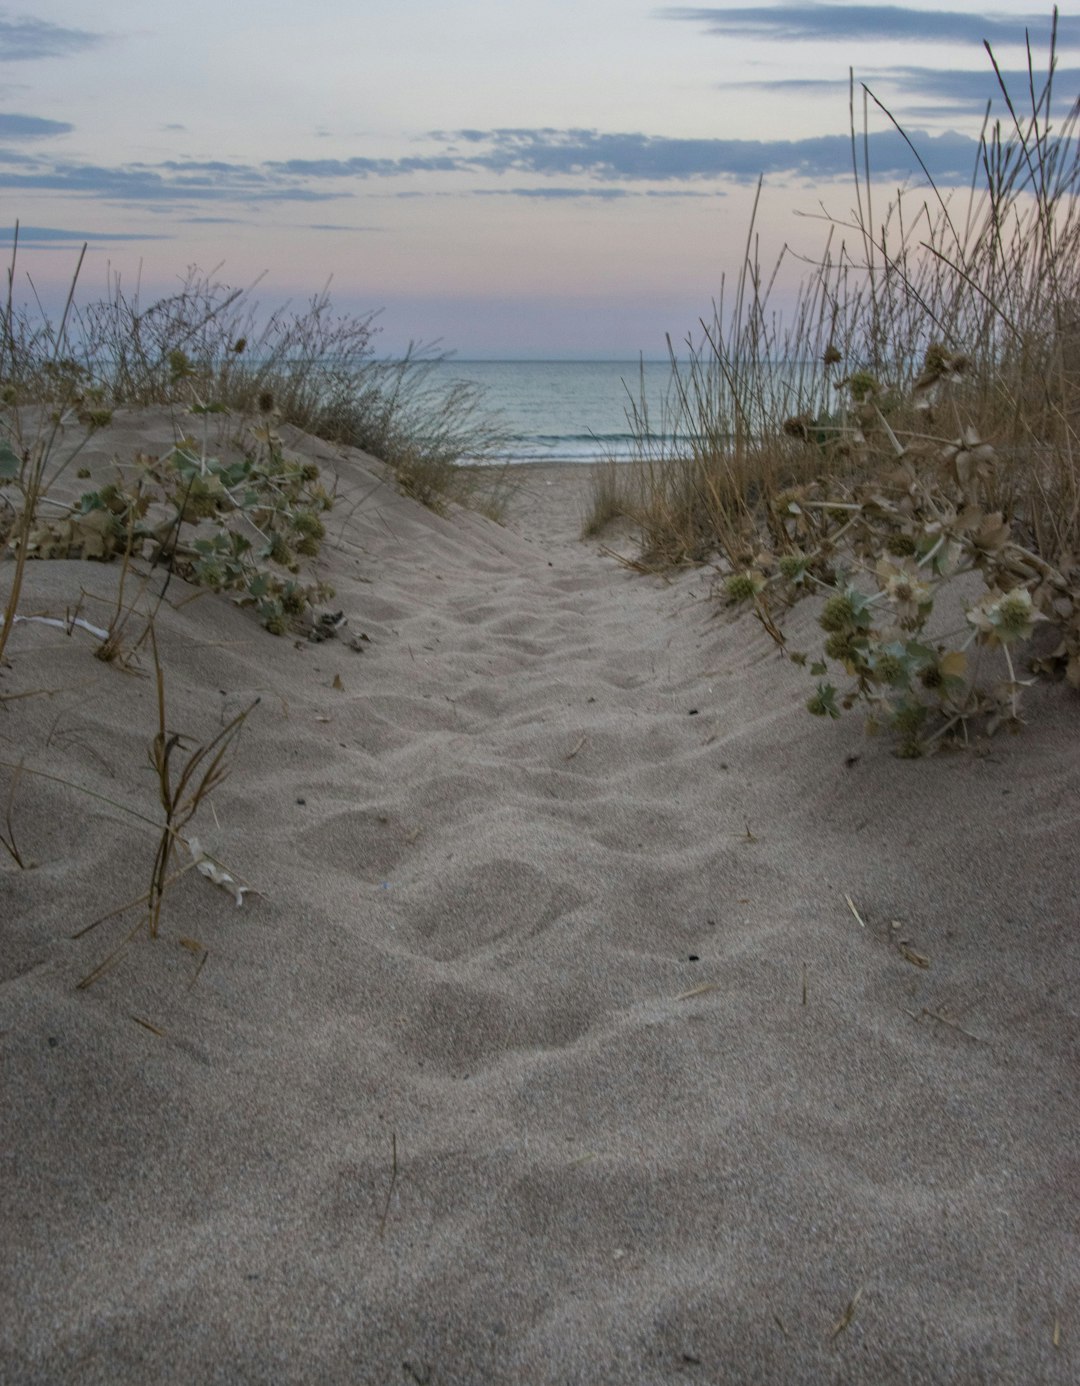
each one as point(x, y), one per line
point(1002, 617)
point(903, 584)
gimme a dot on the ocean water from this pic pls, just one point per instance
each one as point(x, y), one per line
point(563, 411)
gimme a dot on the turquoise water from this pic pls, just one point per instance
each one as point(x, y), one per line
point(576, 411)
point(563, 411)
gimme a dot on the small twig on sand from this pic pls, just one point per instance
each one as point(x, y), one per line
point(698, 991)
point(943, 1019)
point(854, 911)
point(845, 1318)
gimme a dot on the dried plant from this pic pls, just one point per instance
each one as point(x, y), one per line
point(917, 422)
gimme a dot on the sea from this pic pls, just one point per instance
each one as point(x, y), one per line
point(563, 411)
point(590, 411)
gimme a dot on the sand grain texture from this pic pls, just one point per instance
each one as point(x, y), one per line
point(553, 908)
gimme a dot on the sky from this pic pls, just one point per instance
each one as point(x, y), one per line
point(535, 179)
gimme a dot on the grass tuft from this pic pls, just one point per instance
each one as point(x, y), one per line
point(917, 419)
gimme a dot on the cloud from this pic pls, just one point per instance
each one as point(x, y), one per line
point(25, 38)
point(52, 237)
point(557, 194)
point(600, 194)
point(364, 168)
point(593, 156)
point(949, 92)
point(654, 158)
point(534, 164)
point(169, 182)
point(24, 127)
point(940, 91)
point(873, 23)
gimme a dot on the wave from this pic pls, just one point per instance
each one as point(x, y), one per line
point(573, 447)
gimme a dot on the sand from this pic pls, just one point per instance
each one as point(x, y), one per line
point(596, 1015)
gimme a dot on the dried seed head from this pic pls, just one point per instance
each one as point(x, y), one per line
point(1014, 613)
point(889, 668)
point(863, 386)
point(279, 550)
point(211, 575)
point(909, 717)
point(837, 614)
point(742, 587)
point(932, 678)
point(841, 646)
point(308, 523)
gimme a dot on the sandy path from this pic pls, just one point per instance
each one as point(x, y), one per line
point(551, 1049)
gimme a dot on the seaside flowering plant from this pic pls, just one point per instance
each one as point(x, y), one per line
point(244, 524)
point(906, 449)
point(927, 511)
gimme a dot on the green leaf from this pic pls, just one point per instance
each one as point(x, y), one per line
point(922, 653)
point(183, 462)
point(819, 668)
point(823, 703)
point(234, 474)
point(860, 606)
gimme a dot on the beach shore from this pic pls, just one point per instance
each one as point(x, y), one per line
point(595, 1015)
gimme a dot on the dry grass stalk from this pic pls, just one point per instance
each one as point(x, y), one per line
point(917, 420)
point(203, 770)
point(7, 837)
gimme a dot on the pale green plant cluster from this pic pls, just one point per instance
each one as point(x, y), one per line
point(312, 367)
point(225, 507)
point(922, 432)
point(243, 525)
point(883, 551)
point(245, 521)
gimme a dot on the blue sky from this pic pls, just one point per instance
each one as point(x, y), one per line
point(542, 178)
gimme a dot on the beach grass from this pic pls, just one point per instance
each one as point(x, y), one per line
point(210, 345)
point(991, 281)
point(240, 517)
point(917, 417)
point(208, 354)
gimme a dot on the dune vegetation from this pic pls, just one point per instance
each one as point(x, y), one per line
point(225, 507)
point(915, 420)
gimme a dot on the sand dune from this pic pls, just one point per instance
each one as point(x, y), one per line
point(548, 1046)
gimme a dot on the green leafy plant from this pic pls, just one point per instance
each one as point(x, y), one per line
point(244, 525)
point(882, 558)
